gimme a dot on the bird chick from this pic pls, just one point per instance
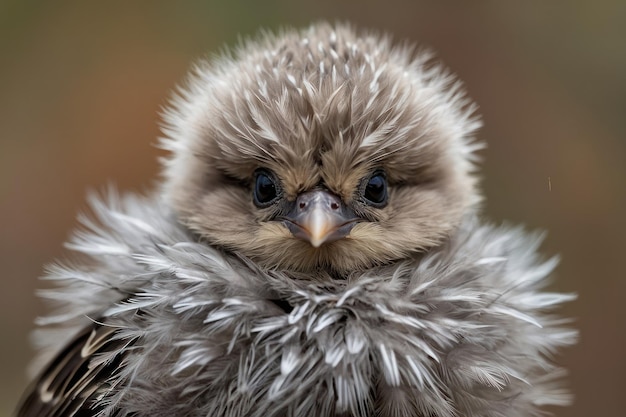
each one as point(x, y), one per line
point(313, 250)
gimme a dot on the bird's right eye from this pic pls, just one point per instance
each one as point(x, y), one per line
point(266, 188)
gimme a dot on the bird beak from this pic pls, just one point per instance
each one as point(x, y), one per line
point(319, 216)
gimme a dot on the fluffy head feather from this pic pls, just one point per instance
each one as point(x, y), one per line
point(322, 108)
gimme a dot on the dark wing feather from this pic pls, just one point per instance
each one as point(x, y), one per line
point(77, 380)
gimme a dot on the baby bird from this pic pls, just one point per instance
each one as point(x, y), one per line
point(313, 249)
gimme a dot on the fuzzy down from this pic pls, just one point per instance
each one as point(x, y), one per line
point(465, 329)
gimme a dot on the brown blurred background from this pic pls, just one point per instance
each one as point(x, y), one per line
point(81, 85)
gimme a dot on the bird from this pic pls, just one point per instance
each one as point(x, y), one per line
point(314, 247)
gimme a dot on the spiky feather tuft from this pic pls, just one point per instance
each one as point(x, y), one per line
point(326, 106)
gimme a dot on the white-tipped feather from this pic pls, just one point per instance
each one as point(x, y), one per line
point(445, 331)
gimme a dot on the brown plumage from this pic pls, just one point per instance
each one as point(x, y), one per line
point(313, 249)
point(322, 109)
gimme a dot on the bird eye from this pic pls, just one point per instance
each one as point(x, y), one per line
point(265, 188)
point(375, 192)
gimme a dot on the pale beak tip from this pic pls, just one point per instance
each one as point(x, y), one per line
point(316, 242)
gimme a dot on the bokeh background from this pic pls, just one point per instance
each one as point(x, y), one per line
point(81, 85)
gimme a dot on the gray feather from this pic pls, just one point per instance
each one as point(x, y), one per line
point(465, 329)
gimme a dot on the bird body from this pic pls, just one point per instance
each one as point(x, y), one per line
point(314, 250)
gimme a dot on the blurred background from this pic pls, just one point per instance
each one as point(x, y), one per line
point(81, 85)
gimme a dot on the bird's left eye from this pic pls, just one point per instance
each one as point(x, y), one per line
point(265, 188)
point(375, 192)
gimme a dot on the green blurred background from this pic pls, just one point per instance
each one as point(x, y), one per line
point(81, 85)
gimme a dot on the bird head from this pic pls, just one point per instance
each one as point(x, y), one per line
point(321, 150)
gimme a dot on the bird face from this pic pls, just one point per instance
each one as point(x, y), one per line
point(320, 150)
